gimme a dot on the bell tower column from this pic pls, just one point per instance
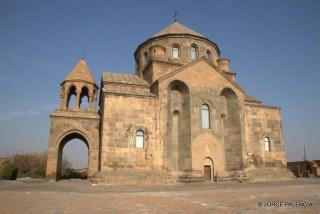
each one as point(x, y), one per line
point(62, 98)
point(78, 98)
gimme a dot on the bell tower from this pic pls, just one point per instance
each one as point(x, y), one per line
point(81, 84)
point(75, 118)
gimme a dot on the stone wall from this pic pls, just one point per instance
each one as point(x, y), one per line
point(263, 121)
point(68, 125)
point(157, 68)
point(123, 116)
point(127, 89)
point(205, 85)
point(147, 52)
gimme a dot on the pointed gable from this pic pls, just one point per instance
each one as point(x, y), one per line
point(200, 71)
point(177, 28)
point(81, 72)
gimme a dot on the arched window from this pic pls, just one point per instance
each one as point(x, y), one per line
point(145, 56)
point(175, 51)
point(267, 147)
point(209, 55)
point(194, 52)
point(72, 97)
point(139, 139)
point(205, 116)
point(84, 98)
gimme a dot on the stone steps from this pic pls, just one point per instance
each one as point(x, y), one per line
point(239, 176)
point(190, 180)
point(190, 177)
point(269, 173)
point(145, 177)
point(132, 177)
point(148, 177)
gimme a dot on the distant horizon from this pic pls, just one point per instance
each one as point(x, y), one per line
point(273, 47)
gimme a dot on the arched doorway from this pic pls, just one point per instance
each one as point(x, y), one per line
point(67, 170)
point(208, 169)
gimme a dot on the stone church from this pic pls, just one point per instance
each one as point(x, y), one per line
point(181, 117)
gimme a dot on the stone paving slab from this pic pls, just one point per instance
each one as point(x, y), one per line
point(75, 196)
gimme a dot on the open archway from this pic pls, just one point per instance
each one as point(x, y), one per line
point(74, 160)
point(65, 168)
point(72, 97)
point(84, 98)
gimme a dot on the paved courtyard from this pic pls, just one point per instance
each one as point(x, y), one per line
point(75, 196)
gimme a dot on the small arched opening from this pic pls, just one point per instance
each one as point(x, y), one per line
point(84, 98)
point(73, 156)
point(209, 56)
point(145, 55)
point(175, 51)
point(194, 52)
point(267, 146)
point(72, 97)
point(157, 51)
point(140, 139)
point(208, 169)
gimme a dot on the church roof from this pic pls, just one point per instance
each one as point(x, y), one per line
point(122, 78)
point(252, 99)
point(81, 72)
point(177, 28)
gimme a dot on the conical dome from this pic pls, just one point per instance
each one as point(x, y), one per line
point(175, 45)
point(177, 28)
point(81, 72)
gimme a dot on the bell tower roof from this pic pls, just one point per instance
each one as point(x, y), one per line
point(81, 72)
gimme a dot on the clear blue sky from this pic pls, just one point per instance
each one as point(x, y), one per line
point(273, 46)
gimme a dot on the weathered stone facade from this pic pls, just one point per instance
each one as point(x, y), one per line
point(181, 115)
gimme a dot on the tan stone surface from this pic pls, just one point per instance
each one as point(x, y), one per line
point(118, 134)
point(80, 197)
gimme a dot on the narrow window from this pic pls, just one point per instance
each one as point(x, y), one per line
point(205, 115)
point(194, 52)
point(145, 56)
point(139, 139)
point(267, 144)
point(175, 51)
point(137, 65)
point(209, 55)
